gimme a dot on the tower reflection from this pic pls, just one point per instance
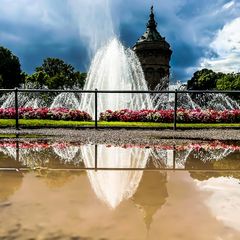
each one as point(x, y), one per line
point(151, 194)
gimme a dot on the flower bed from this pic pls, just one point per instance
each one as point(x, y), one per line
point(45, 113)
point(166, 116)
point(126, 115)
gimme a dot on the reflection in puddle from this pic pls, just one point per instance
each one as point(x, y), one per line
point(66, 153)
point(114, 186)
point(136, 190)
point(47, 154)
point(223, 200)
point(151, 194)
point(9, 183)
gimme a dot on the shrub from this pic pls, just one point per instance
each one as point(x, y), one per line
point(45, 113)
point(166, 116)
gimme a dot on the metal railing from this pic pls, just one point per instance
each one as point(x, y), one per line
point(96, 92)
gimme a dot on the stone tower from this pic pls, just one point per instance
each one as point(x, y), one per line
point(154, 54)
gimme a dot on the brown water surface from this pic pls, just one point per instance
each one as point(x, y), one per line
point(68, 191)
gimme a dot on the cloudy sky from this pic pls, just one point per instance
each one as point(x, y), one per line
point(201, 33)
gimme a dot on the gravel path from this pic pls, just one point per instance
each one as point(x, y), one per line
point(130, 136)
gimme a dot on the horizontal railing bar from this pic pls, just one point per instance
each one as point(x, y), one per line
point(122, 169)
point(118, 91)
point(56, 90)
point(180, 91)
point(7, 90)
point(133, 91)
point(208, 91)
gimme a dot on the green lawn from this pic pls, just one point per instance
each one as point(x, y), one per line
point(60, 123)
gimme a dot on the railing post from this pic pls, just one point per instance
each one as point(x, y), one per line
point(174, 157)
point(16, 108)
point(96, 157)
point(175, 111)
point(17, 148)
point(96, 107)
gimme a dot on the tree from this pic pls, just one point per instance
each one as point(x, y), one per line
point(60, 74)
point(229, 81)
point(236, 82)
point(10, 69)
point(203, 79)
point(208, 79)
point(37, 79)
point(80, 78)
point(225, 82)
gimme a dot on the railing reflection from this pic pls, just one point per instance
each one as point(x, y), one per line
point(26, 155)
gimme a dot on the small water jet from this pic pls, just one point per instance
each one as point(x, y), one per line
point(216, 101)
point(66, 100)
point(33, 100)
point(166, 100)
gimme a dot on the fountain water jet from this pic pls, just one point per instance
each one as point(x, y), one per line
point(115, 68)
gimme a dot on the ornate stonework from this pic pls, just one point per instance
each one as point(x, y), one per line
point(154, 54)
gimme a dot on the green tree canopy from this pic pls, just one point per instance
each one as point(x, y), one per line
point(37, 79)
point(55, 73)
point(229, 82)
point(208, 79)
point(10, 69)
point(204, 79)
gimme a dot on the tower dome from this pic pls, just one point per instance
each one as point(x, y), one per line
point(154, 54)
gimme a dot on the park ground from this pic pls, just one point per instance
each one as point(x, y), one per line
point(123, 136)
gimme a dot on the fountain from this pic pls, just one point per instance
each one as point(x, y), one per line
point(115, 68)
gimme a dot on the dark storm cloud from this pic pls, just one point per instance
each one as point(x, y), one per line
point(188, 25)
point(34, 30)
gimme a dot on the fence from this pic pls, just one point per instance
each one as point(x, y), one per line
point(96, 92)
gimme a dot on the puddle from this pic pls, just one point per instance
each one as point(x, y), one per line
point(64, 190)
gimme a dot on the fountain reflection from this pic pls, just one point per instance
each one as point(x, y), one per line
point(112, 187)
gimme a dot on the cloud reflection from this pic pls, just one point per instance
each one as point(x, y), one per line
point(223, 200)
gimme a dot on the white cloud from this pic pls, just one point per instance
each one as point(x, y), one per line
point(228, 39)
point(228, 5)
point(227, 64)
point(226, 45)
